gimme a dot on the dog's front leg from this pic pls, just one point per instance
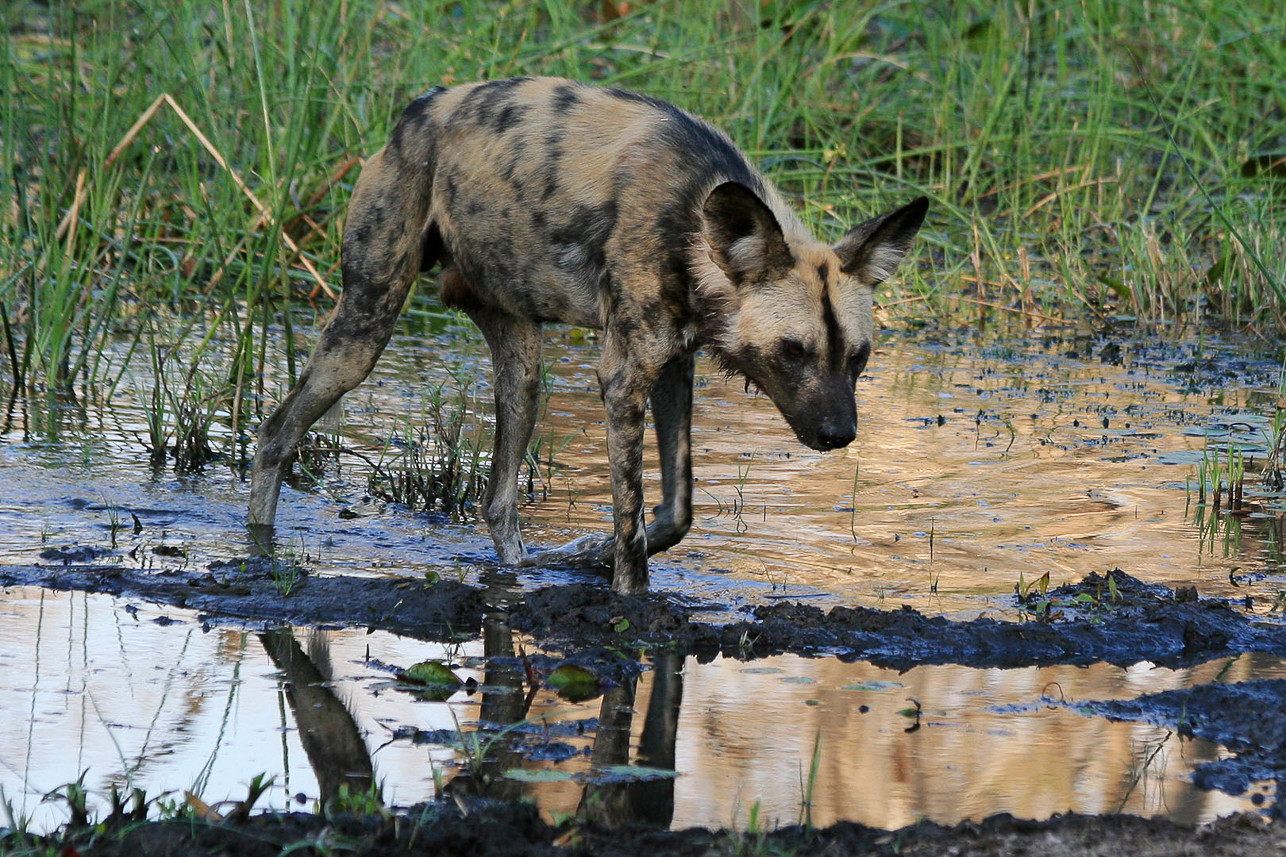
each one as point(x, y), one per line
point(625, 387)
point(672, 411)
point(515, 369)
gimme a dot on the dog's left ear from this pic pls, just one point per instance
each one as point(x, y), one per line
point(872, 250)
point(746, 241)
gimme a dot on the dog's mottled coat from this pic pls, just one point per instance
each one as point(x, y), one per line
point(546, 200)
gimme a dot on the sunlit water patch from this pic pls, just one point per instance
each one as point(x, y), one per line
point(136, 697)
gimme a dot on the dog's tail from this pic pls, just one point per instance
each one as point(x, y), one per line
point(387, 237)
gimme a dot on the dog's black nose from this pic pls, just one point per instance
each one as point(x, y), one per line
point(836, 435)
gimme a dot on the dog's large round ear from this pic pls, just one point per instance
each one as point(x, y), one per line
point(872, 250)
point(745, 239)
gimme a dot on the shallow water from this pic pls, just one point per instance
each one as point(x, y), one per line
point(976, 466)
point(140, 697)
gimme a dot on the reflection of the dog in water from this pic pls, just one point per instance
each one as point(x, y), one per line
point(331, 739)
point(620, 798)
point(341, 759)
point(650, 800)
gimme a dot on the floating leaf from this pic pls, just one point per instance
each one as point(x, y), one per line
point(434, 675)
point(539, 775)
point(631, 773)
point(573, 683)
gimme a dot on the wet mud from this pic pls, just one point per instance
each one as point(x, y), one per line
point(1113, 618)
point(491, 829)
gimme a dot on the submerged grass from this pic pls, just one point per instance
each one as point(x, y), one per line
point(1092, 160)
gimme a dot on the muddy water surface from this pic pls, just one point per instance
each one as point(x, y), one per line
point(977, 466)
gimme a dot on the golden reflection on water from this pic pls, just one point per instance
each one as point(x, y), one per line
point(1021, 477)
point(89, 686)
point(975, 466)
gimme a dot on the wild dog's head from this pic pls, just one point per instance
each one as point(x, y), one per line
point(793, 315)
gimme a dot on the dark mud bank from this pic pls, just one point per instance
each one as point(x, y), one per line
point(494, 829)
point(1112, 619)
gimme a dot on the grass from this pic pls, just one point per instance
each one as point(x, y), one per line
point(190, 161)
point(440, 462)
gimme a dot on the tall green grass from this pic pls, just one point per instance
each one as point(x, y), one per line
point(1088, 160)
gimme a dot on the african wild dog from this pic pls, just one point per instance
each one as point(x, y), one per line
point(546, 200)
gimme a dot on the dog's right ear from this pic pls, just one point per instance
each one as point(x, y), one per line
point(745, 239)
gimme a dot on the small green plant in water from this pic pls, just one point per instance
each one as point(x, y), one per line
point(810, 786)
point(440, 463)
point(357, 800)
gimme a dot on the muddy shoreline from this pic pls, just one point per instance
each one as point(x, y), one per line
point(1114, 618)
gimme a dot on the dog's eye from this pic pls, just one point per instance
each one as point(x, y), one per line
point(857, 360)
point(793, 348)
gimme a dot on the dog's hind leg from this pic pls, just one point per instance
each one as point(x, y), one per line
point(515, 369)
point(672, 410)
point(385, 241)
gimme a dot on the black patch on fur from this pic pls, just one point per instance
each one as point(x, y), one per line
point(485, 102)
point(415, 114)
point(552, 167)
point(452, 190)
point(510, 117)
point(565, 98)
point(585, 233)
point(655, 103)
point(837, 354)
point(710, 154)
point(551, 183)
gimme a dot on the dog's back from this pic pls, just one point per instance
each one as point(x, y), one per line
point(548, 194)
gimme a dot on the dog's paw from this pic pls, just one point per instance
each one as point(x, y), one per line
point(590, 551)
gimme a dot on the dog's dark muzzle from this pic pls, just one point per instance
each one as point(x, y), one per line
point(835, 435)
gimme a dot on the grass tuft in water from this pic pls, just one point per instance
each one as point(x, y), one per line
point(439, 463)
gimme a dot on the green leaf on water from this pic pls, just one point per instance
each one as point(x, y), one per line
point(540, 775)
point(573, 682)
point(431, 672)
point(439, 683)
point(619, 773)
